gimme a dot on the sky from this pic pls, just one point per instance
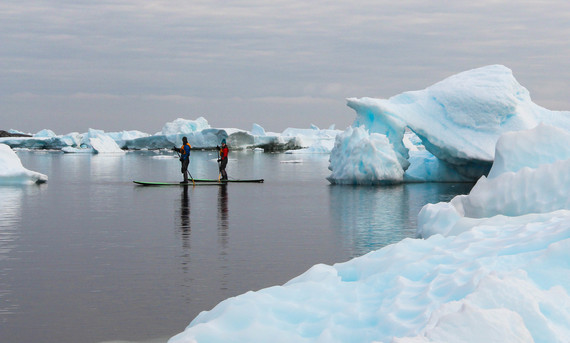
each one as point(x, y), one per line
point(71, 65)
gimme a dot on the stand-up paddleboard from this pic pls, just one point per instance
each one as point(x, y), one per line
point(230, 180)
point(147, 183)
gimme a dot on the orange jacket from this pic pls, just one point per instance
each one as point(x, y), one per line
point(185, 152)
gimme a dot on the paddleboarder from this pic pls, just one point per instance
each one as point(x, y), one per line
point(223, 159)
point(184, 158)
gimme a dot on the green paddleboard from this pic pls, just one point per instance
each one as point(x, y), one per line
point(230, 180)
point(145, 183)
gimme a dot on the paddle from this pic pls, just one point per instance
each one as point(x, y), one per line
point(219, 164)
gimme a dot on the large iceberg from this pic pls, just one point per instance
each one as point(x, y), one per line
point(530, 177)
point(12, 172)
point(458, 120)
point(493, 267)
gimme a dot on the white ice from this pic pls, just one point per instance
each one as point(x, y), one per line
point(458, 120)
point(493, 267)
point(198, 132)
point(104, 144)
point(12, 172)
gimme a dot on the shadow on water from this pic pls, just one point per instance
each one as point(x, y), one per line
point(223, 215)
point(194, 239)
point(372, 217)
point(223, 234)
point(185, 227)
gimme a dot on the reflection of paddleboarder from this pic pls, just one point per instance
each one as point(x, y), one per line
point(185, 210)
point(223, 159)
point(223, 214)
point(185, 217)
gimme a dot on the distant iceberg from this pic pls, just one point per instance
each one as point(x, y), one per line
point(12, 172)
point(103, 144)
point(199, 133)
point(458, 120)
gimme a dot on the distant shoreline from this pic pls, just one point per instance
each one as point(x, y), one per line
point(8, 134)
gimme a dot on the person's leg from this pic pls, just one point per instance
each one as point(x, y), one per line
point(184, 170)
point(223, 169)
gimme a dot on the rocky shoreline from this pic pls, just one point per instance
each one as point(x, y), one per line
point(8, 134)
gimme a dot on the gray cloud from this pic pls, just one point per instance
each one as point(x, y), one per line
point(71, 65)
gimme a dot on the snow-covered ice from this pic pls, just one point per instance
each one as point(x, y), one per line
point(493, 267)
point(458, 120)
point(104, 144)
point(12, 172)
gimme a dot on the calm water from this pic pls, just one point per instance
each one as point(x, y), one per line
point(91, 257)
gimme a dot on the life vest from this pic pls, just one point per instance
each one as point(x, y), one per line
point(224, 152)
point(183, 150)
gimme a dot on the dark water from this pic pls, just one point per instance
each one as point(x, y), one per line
point(91, 257)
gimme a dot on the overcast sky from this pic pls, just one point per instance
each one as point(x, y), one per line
point(71, 65)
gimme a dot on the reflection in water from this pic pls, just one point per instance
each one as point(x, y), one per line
point(10, 206)
point(372, 217)
point(223, 223)
point(106, 166)
point(185, 218)
point(185, 228)
point(10, 219)
point(223, 236)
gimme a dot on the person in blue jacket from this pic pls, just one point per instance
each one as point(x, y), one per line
point(184, 158)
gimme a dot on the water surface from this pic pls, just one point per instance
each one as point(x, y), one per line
point(91, 257)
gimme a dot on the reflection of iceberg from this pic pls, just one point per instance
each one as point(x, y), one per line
point(12, 172)
point(10, 211)
point(107, 166)
point(372, 217)
point(458, 120)
point(10, 216)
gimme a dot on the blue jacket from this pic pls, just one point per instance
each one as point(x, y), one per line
point(185, 151)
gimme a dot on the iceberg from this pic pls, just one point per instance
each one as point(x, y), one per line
point(312, 141)
point(98, 142)
point(12, 172)
point(103, 144)
point(458, 120)
point(530, 177)
point(199, 133)
point(380, 165)
point(44, 139)
point(492, 267)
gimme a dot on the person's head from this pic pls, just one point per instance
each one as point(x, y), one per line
point(224, 141)
point(184, 140)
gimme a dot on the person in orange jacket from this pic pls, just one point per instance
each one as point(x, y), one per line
point(223, 159)
point(184, 152)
